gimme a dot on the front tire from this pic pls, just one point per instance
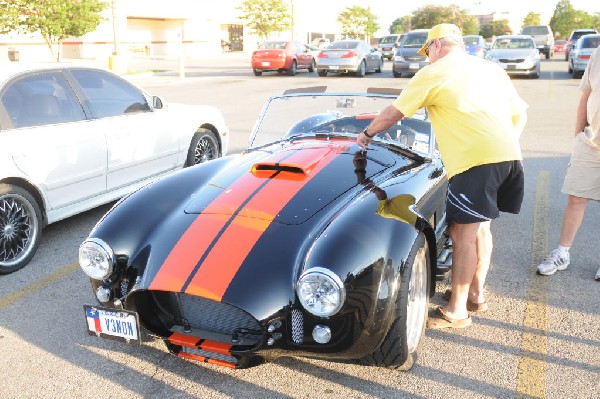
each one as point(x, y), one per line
point(257, 72)
point(312, 66)
point(401, 347)
point(203, 148)
point(20, 227)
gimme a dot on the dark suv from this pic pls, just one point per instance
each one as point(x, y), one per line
point(543, 38)
point(572, 40)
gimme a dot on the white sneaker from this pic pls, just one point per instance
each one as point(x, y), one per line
point(553, 262)
point(598, 275)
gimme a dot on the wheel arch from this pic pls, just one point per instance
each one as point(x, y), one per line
point(31, 189)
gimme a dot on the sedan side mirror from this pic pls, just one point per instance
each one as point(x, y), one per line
point(157, 102)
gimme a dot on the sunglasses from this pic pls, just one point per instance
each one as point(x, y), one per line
point(427, 48)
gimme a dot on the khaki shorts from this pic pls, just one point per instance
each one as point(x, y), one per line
point(583, 173)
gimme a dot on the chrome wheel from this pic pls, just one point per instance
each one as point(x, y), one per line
point(20, 228)
point(203, 148)
point(416, 307)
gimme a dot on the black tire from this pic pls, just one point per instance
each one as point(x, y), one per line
point(577, 74)
point(257, 72)
point(20, 227)
point(380, 67)
point(203, 148)
point(313, 66)
point(570, 69)
point(322, 73)
point(397, 74)
point(292, 70)
point(362, 69)
point(548, 55)
point(403, 342)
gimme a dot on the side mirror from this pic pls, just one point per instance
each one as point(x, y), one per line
point(157, 102)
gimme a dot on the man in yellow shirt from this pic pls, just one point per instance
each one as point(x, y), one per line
point(478, 117)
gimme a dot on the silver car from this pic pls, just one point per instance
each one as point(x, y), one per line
point(516, 54)
point(344, 56)
point(580, 55)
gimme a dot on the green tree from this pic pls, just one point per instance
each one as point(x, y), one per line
point(496, 28)
point(358, 22)
point(566, 18)
point(532, 19)
point(266, 16)
point(430, 15)
point(55, 20)
point(401, 25)
point(9, 16)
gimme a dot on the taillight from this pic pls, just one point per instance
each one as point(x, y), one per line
point(322, 55)
point(548, 38)
point(349, 54)
point(584, 57)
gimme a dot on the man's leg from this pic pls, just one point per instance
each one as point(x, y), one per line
point(464, 265)
point(485, 245)
point(572, 218)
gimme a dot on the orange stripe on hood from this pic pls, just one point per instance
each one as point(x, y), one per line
point(245, 227)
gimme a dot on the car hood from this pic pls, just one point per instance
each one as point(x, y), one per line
point(284, 183)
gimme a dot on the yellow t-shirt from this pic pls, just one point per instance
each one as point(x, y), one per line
point(472, 105)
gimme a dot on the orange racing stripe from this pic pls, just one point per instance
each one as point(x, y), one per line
point(222, 263)
point(219, 266)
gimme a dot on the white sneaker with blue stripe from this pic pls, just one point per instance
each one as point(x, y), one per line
point(556, 260)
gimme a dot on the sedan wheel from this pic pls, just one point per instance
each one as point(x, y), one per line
point(312, 67)
point(20, 227)
point(292, 70)
point(257, 72)
point(401, 346)
point(362, 69)
point(380, 66)
point(204, 147)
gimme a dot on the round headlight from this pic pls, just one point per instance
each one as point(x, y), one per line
point(96, 258)
point(321, 292)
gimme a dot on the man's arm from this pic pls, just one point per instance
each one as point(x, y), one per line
point(386, 119)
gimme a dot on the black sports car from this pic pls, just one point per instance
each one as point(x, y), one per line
point(304, 244)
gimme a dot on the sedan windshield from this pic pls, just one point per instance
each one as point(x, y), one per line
point(513, 43)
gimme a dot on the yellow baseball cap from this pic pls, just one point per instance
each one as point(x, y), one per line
point(440, 31)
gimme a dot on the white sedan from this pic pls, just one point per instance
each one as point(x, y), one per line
point(74, 137)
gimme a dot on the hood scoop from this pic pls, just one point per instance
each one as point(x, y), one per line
point(282, 170)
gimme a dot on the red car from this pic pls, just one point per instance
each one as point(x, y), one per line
point(560, 46)
point(282, 56)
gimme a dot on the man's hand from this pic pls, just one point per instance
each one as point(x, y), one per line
point(362, 140)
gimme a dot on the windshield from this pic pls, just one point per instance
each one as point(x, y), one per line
point(507, 43)
point(388, 40)
point(332, 114)
point(590, 42)
point(535, 30)
point(414, 40)
point(345, 45)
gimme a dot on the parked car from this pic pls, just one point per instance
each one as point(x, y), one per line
point(475, 45)
point(388, 44)
point(407, 59)
point(543, 37)
point(282, 56)
point(580, 55)
point(343, 56)
point(321, 42)
point(574, 36)
point(304, 244)
point(560, 46)
point(74, 137)
point(516, 54)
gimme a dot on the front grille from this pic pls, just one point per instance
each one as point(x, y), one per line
point(507, 61)
point(415, 58)
point(206, 314)
point(297, 326)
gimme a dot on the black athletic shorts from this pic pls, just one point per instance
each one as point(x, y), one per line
point(479, 194)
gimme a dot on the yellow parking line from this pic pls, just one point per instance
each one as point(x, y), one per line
point(531, 377)
point(38, 285)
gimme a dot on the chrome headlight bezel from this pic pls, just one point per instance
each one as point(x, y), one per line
point(96, 258)
point(315, 286)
